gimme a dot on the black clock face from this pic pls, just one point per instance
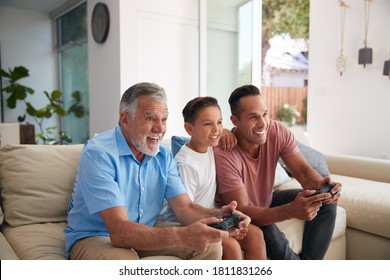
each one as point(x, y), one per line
point(100, 22)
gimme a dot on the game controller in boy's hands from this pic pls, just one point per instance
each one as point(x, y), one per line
point(325, 189)
point(228, 222)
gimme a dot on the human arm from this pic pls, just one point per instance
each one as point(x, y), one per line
point(309, 178)
point(126, 234)
point(302, 207)
point(188, 212)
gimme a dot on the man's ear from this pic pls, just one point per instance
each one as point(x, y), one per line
point(188, 127)
point(234, 120)
point(124, 118)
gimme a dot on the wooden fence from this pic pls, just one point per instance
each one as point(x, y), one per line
point(278, 96)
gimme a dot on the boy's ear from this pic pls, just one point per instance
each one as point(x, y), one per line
point(188, 127)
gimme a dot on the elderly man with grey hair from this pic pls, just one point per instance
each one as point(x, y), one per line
point(124, 175)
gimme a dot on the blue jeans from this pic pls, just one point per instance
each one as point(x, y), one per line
point(316, 236)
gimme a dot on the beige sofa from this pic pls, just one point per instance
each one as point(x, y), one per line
point(36, 182)
point(366, 199)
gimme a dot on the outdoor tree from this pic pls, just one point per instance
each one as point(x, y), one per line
point(284, 17)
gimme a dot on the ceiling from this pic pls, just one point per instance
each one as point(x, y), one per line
point(47, 6)
point(44, 6)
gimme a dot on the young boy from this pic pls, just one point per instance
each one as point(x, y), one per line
point(196, 165)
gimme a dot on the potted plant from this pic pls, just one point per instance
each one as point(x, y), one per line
point(18, 92)
point(288, 114)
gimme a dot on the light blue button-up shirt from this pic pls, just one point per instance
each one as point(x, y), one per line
point(109, 175)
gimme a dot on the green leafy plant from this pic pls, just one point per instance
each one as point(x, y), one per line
point(18, 92)
point(288, 114)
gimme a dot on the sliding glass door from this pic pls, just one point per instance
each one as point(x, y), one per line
point(73, 68)
point(233, 48)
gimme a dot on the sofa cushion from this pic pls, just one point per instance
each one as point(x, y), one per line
point(177, 142)
point(37, 241)
point(367, 204)
point(36, 182)
point(281, 176)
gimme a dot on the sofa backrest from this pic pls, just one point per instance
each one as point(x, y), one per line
point(374, 169)
point(36, 182)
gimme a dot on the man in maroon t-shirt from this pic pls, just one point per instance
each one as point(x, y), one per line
point(246, 174)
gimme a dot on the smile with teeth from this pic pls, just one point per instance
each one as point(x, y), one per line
point(260, 132)
point(155, 138)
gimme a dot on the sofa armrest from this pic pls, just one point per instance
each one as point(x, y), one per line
point(360, 167)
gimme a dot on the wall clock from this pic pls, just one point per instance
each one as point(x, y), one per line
point(100, 22)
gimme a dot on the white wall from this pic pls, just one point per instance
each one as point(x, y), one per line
point(104, 73)
point(349, 114)
point(149, 40)
point(26, 39)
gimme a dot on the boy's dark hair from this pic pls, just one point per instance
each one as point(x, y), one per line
point(191, 110)
point(237, 94)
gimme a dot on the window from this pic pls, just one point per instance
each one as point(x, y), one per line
point(73, 71)
point(233, 48)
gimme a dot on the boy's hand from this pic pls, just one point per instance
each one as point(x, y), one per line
point(228, 140)
point(243, 224)
point(241, 234)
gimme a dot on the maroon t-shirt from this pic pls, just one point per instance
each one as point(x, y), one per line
point(236, 170)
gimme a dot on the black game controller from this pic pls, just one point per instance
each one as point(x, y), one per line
point(228, 222)
point(325, 189)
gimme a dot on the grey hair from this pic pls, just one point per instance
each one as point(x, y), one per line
point(129, 98)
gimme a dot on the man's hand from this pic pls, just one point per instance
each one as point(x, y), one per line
point(228, 140)
point(305, 207)
point(335, 192)
point(198, 236)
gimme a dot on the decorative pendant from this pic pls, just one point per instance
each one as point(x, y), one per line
point(341, 64)
point(341, 61)
point(386, 68)
point(365, 54)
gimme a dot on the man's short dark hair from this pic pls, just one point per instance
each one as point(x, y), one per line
point(237, 94)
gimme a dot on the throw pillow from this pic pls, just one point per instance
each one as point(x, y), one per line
point(36, 182)
point(177, 142)
point(281, 176)
point(316, 160)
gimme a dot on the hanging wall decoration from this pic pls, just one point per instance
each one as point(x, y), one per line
point(341, 62)
point(386, 68)
point(365, 54)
